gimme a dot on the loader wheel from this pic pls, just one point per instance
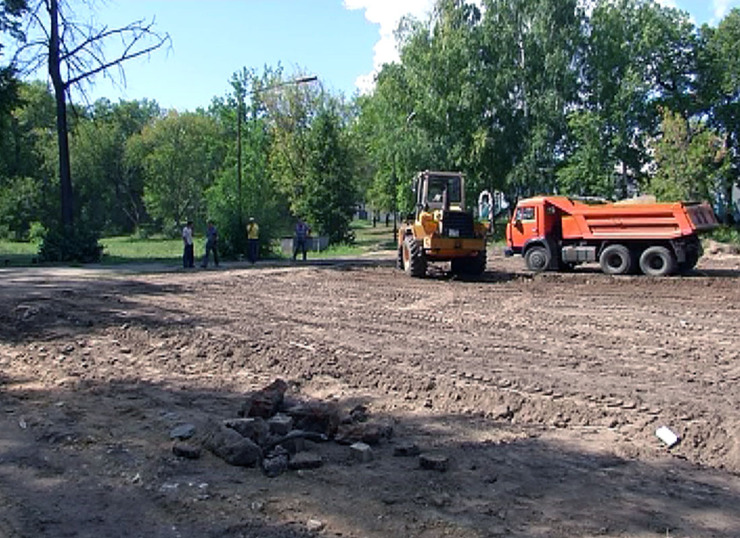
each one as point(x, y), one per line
point(478, 264)
point(414, 261)
point(657, 261)
point(616, 260)
point(537, 259)
point(399, 258)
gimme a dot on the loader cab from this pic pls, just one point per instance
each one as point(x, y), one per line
point(439, 191)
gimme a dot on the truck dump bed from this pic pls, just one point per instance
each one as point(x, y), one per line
point(632, 220)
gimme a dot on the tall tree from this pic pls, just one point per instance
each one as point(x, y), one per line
point(329, 196)
point(532, 50)
point(109, 186)
point(639, 56)
point(719, 83)
point(691, 160)
point(181, 155)
point(75, 52)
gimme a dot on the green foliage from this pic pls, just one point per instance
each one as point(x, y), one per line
point(691, 161)
point(311, 158)
point(180, 155)
point(328, 196)
point(109, 185)
point(71, 245)
point(586, 170)
point(726, 234)
point(19, 207)
point(525, 96)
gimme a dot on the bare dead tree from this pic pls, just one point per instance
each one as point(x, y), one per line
point(75, 52)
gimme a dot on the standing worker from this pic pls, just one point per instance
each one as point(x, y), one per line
point(253, 240)
point(211, 244)
point(302, 231)
point(188, 257)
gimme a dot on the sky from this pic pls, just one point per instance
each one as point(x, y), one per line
point(343, 42)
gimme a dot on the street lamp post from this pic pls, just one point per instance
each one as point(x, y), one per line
point(239, 106)
point(394, 181)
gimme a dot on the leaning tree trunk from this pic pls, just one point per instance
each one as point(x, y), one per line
point(65, 174)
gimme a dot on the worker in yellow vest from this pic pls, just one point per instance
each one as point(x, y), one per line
point(253, 240)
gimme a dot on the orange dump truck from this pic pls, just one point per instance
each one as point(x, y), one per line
point(558, 233)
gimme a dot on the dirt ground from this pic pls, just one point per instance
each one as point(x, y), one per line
point(543, 391)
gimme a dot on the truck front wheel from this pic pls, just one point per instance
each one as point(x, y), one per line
point(537, 259)
point(657, 261)
point(616, 260)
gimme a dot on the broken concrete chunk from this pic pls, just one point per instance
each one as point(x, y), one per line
point(434, 462)
point(319, 417)
point(305, 460)
point(265, 402)
point(280, 424)
point(254, 428)
point(184, 450)
point(406, 450)
point(182, 432)
point(232, 447)
point(362, 452)
point(275, 462)
point(359, 414)
point(365, 432)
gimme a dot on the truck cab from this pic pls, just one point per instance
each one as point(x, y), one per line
point(535, 222)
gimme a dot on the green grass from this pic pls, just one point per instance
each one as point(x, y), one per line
point(157, 249)
point(131, 249)
point(12, 253)
point(367, 239)
point(726, 234)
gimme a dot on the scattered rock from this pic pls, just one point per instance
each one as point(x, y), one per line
point(359, 414)
point(406, 450)
point(314, 525)
point(184, 450)
point(362, 452)
point(232, 447)
point(276, 462)
point(368, 433)
point(319, 417)
point(280, 424)
point(254, 428)
point(182, 432)
point(305, 460)
point(434, 462)
point(265, 402)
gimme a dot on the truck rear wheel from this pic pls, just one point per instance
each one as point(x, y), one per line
point(657, 261)
point(692, 258)
point(414, 261)
point(537, 259)
point(616, 260)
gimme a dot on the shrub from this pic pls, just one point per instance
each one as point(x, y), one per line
point(70, 246)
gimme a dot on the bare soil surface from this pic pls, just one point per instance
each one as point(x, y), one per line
point(543, 391)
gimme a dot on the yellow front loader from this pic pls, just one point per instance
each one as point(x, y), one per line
point(442, 230)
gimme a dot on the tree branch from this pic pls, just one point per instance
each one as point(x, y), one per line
point(124, 57)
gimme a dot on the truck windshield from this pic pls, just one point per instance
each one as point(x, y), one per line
point(437, 186)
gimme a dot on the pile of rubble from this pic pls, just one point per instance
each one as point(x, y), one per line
point(271, 432)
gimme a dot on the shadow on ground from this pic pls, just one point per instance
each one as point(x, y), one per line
point(95, 460)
